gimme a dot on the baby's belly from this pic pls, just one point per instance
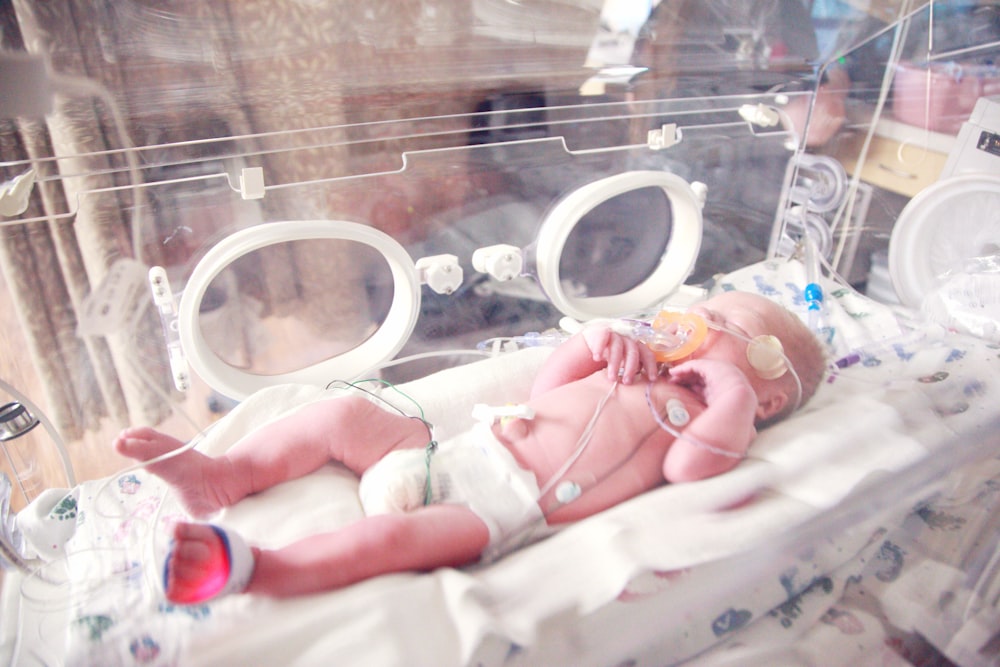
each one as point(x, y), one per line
point(616, 456)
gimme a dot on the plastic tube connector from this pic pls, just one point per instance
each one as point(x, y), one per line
point(490, 413)
point(671, 336)
point(813, 294)
point(548, 338)
point(538, 339)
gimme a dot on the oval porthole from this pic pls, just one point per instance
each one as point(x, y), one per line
point(619, 245)
point(345, 299)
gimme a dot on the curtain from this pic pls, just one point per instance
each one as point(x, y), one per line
point(156, 89)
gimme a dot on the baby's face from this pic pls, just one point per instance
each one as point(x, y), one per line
point(747, 315)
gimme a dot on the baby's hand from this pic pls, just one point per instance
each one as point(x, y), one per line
point(713, 379)
point(622, 355)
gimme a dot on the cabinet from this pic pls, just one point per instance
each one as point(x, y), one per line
point(901, 158)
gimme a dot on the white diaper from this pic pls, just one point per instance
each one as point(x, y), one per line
point(471, 469)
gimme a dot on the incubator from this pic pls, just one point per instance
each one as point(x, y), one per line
point(205, 204)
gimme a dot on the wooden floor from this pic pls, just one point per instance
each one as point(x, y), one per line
point(34, 455)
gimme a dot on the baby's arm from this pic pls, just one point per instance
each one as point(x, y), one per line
point(727, 423)
point(591, 350)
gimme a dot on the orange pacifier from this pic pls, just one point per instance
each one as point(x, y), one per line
point(675, 335)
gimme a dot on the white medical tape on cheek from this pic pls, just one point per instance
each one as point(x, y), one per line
point(765, 353)
point(766, 356)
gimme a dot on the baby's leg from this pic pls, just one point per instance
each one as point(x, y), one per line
point(348, 429)
point(201, 482)
point(204, 562)
point(434, 536)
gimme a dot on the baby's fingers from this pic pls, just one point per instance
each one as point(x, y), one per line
point(648, 362)
point(615, 353)
point(597, 341)
point(638, 359)
point(630, 362)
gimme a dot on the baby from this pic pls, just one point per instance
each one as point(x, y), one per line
point(603, 424)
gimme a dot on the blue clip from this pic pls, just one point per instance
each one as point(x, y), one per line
point(814, 296)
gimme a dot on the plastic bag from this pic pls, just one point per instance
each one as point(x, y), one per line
point(968, 299)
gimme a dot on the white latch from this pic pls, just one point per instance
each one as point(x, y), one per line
point(760, 114)
point(163, 298)
point(442, 273)
point(502, 261)
point(252, 182)
point(665, 137)
point(700, 191)
point(15, 193)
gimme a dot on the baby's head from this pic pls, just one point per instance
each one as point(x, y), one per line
point(749, 316)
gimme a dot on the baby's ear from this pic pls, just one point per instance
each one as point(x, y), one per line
point(771, 404)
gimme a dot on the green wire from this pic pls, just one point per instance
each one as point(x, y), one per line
point(384, 383)
point(428, 455)
point(432, 444)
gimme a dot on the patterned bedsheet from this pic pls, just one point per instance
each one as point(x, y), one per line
point(851, 544)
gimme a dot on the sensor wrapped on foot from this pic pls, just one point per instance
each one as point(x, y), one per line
point(227, 570)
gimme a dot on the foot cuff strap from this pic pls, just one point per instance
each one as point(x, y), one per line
point(227, 570)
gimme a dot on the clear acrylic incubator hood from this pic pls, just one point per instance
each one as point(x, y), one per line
point(531, 160)
point(204, 200)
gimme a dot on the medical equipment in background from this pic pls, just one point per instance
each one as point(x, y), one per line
point(817, 185)
point(25, 451)
point(16, 422)
point(23, 444)
point(11, 540)
point(955, 220)
point(820, 204)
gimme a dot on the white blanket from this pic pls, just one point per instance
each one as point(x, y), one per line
point(665, 576)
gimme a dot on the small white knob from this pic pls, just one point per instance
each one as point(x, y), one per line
point(442, 273)
point(502, 261)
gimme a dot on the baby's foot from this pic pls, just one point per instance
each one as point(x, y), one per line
point(205, 562)
point(144, 444)
point(197, 479)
